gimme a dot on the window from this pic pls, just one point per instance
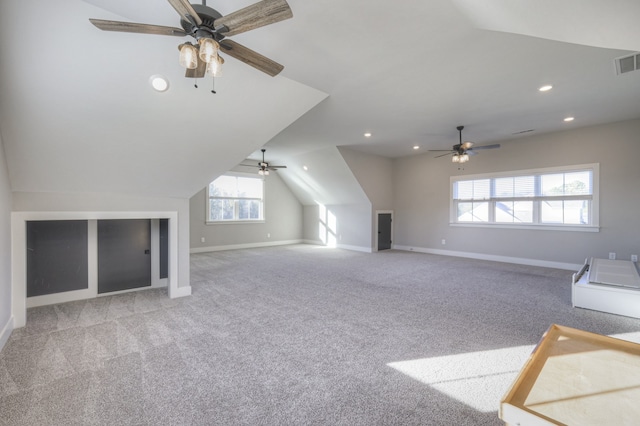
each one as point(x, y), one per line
point(234, 198)
point(559, 197)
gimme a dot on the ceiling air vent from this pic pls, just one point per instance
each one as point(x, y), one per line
point(627, 64)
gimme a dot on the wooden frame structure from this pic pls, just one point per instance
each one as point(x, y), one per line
point(574, 377)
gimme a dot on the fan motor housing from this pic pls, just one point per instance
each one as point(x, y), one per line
point(208, 16)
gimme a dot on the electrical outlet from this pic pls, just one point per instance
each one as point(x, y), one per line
point(268, 235)
point(202, 239)
point(444, 241)
point(612, 256)
point(634, 257)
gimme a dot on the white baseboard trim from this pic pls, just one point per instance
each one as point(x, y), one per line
point(243, 246)
point(340, 246)
point(179, 292)
point(494, 258)
point(354, 248)
point(6, 332)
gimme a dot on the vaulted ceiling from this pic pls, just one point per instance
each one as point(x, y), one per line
point(77, 112)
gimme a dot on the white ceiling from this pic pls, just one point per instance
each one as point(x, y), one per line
point(77, 112)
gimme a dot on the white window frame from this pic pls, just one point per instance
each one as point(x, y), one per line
point(236, 220)
point(594, 226)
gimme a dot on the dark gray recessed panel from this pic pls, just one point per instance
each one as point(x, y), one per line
point(124, 254)
point(56, 256)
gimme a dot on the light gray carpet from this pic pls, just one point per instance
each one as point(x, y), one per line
point(294, 335)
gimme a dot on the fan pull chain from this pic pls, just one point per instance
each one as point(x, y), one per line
point(213, 85)
point(196, 83)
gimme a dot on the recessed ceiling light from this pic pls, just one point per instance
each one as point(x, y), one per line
point(416, 147)
point(159, 83)
point(305, 168)
point(545, 88)
point(569, 119)
point(367, 135)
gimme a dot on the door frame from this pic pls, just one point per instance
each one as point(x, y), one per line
point(377, 220)
point(19, 301)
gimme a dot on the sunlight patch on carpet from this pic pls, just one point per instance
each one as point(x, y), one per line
point(477, 379)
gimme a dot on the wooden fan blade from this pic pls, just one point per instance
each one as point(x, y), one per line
point(197, 72)
point(250, 57)
point(186, 11)
point(132, 27)
point(277, 167)
point(257, 15)
point(443, 155)
point(497, 145)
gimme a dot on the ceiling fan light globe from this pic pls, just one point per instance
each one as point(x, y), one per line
point(215, 66)
point(189, 56)
point(266, 172)
point(261, 172)
point(455, 158)
point(208, 49)
point(464, 158)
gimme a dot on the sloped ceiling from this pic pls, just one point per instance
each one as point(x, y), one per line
point(77, 113)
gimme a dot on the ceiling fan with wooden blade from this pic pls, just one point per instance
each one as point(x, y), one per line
point(263, 167)
point(461, 151)
point(208, 27)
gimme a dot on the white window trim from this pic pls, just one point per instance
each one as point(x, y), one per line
point(236, 222)
point(595, 199)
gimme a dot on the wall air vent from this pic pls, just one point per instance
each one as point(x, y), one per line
point(628, 63)
point(523, 131)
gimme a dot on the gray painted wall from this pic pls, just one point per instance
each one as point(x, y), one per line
point(342, 225)
point(100, 202)
point(421, 196)
point(5, 246)
point(375, 175)
point(283, 220)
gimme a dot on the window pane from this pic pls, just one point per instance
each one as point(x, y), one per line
point(221, 209)
point(519, 186)
point(473, 189)
point(575, 183)
point(224, 186)
point(255, 210)
point(464, 190)
point(482, 189)
point(552, 184)
point(243, 209)
point(578, 183)
point(473, 212)
point(464, 212)
point(504, 187)
point(524, 186)
point(249, 210)
point(551, 212)
point(576, 212)
point(249, 188)
point(514, 212)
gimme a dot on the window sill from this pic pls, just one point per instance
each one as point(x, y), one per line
point(570, 228)
point(235, 222)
